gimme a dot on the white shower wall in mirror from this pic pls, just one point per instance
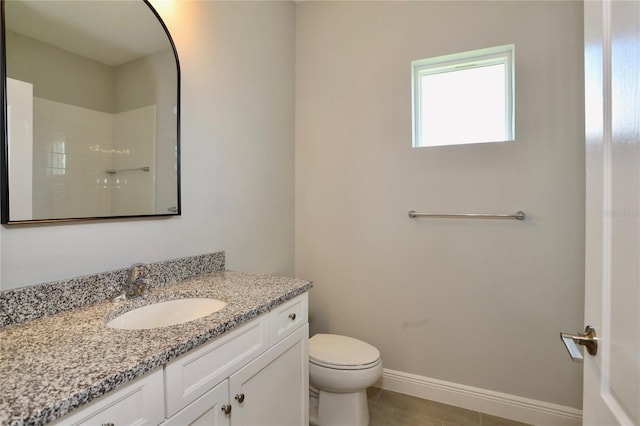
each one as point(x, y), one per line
point(75, 153)
point(72, 151)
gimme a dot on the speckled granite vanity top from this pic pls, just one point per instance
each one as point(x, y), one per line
point(50, 365)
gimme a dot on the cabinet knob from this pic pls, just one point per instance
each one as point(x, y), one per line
point(226, 408)
point(240, 398)
point(108, 424)
point(292, 316)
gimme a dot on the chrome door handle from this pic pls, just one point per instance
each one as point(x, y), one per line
point(587, 339)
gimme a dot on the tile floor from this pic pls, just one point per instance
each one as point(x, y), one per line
point(388, 408)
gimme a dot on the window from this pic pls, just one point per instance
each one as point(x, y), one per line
point(464, 98)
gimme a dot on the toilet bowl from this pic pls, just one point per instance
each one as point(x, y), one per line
point(341, 368)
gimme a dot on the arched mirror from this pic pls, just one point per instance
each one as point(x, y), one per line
point(91, 111)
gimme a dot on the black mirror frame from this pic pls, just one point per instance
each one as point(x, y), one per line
point(4, 139)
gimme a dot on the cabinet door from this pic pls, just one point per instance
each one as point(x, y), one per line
point(209, 409)
point(273, 390)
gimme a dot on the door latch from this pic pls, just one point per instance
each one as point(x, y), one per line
point(587, 339)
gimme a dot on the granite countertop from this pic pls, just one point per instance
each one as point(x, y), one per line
point(51, 365)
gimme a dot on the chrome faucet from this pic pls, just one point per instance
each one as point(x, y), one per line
point(136, 284)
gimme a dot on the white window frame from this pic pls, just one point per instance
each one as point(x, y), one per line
point(465, 60)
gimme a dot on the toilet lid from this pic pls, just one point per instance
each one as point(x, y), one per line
point(341, 351)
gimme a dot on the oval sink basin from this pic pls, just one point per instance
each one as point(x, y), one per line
point(163, 314)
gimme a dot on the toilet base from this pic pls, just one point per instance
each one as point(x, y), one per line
point(342, 409)
point(314, 401)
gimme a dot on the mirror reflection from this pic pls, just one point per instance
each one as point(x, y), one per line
point(92, 111)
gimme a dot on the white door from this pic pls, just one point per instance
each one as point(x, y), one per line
point(612, 272)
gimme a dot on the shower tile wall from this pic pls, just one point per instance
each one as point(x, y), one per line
point(72, 149)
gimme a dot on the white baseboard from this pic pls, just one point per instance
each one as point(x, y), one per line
point(495, 403)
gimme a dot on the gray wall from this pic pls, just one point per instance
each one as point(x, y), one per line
point(59, 75)
point(479, 303)
point(237, 158)
point(147, 80)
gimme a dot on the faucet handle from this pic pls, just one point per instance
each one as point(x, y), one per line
point(141, 286)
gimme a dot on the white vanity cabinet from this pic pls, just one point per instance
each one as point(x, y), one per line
point(255, 374)
point(271, 390)
point(260, 373)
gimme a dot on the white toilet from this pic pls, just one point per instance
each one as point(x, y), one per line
point(341, 368)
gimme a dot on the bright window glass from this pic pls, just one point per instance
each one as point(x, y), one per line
point(464, 98)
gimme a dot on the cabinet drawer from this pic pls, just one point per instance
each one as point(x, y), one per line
point(140, 402)
point(288, 317)
point(193, 374)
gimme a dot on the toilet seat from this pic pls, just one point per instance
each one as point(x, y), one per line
point(342, 352)
point(345, 367)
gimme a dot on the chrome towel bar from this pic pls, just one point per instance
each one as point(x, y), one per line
point(518, 216)
point(137, 169)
